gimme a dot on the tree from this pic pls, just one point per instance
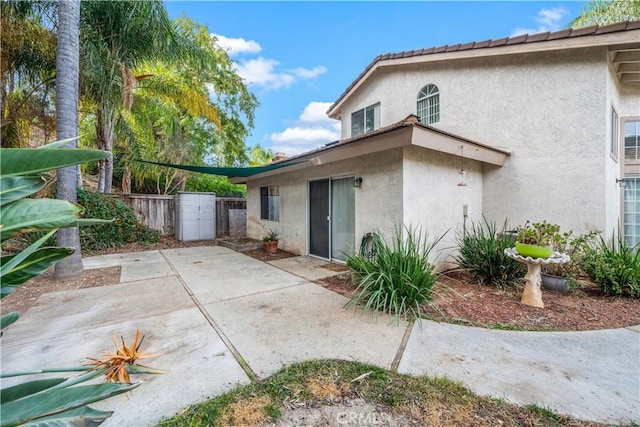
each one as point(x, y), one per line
point(192, 108)
point(258, 156)
point(603, 12)
point(67, 66)
point(27, 64)
point(116, 36)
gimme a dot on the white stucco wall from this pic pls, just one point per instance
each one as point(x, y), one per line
point(549, 109)
point(433, 200)
point(378, 202)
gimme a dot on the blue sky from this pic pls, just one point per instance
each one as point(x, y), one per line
point(298, 57)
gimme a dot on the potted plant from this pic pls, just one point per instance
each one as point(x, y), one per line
point(563, 277)
point(270, 242)
point(536, 239)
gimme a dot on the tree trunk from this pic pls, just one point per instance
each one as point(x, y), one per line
point(105, 131)
point(67, 66)
point(126, 180)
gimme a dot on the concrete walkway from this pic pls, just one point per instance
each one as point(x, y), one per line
point(219, 317)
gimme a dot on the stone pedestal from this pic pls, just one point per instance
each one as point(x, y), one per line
point(532, 294)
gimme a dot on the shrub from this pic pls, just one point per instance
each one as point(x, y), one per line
point(614, 266)
point(215, 184)
point(125, 227)
point(399, 278)
point(577, 248)
point(481, 253)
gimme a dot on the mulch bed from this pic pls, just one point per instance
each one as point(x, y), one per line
point(457, 299)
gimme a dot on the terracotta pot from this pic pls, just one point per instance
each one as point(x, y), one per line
point(271, 247)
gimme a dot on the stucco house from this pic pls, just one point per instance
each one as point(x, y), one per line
point(544, 126)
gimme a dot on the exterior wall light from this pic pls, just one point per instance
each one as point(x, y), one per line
point(462, 174)
point(622, 182)
point(357, 182)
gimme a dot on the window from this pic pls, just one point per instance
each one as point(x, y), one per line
point(614, 133)
point(632, 140)
point(429, 104)
point(270, 203)
point(365, 120)
point(632, 210)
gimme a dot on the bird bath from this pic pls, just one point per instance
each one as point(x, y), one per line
point(532, 294)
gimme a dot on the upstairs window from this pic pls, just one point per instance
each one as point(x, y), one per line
point(270, 203)
point(632, 140)
point(365, 120)
point(429, 104)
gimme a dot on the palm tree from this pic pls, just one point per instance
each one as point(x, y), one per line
point(259, 156)
point(67, 66)
point(185, 110)
point(115, 37)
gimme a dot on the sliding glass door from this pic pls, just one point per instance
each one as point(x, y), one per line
point(332, 218)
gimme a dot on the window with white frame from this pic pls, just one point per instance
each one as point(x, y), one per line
point(614, 133)
point(429, 104)
point(632, 140)
point(270, 203)
point(365, 120)
point(632, 210)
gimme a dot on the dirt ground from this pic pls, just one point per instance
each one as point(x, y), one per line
point(456, 297)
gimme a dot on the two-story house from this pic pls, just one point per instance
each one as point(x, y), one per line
point(543, 126)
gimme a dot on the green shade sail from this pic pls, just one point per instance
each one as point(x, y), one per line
point(229, 172)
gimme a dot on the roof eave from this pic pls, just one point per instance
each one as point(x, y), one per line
point(398, 135)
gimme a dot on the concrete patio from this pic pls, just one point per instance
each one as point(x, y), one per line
point(219, 317)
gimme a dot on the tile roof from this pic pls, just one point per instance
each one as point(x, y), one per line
point(506, 41)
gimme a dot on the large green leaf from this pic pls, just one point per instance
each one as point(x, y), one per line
point(34, 265)
point(79, 417)
point(8, 319)
point(18, 391)
point(17, 187)
point(84, 368)
point(55, 400)
point(9, 265)
point(24, 161)
point(36, 214)
point(57, 144)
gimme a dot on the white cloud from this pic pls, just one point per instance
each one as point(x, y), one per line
point(264, 72)
point(312, 129)
point(309, 74)
point(316, 112)
point(261, 72)
point(547, 20)
point(236, 46)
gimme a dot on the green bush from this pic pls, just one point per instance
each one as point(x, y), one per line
point(125, 227)
point(481, 253)
point(614, 266)
point(215, 184)
point(398, 278)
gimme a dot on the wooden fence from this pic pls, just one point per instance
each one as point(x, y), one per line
point(227, 220)
point(158, 212)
